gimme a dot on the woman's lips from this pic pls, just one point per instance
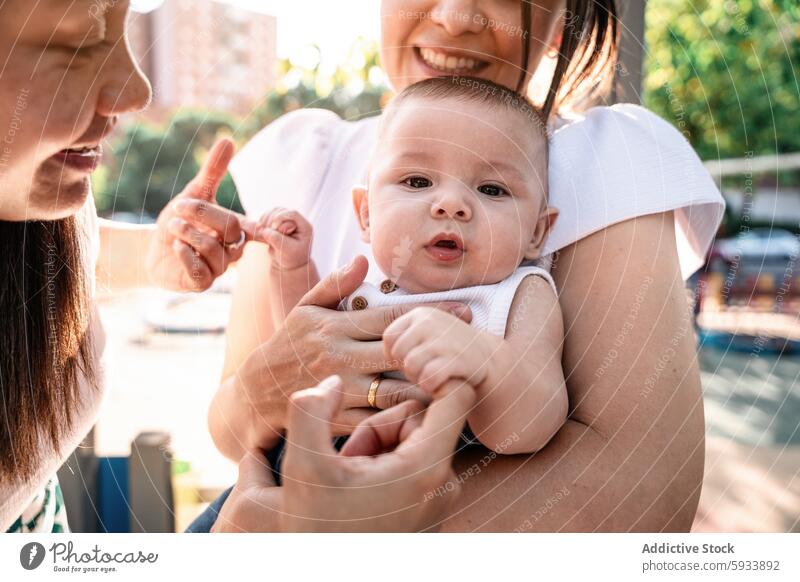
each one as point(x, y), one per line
point(84, 160)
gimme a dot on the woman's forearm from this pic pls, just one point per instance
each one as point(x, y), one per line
point(230, 420)
point(583, 481)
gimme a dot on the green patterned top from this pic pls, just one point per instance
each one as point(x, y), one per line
point(46, 512)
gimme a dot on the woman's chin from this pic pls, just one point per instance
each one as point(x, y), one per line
point(54, 201)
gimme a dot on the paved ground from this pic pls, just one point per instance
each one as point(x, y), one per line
point(752, 403)
point(752, 414)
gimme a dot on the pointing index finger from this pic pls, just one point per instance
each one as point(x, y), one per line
point(205, 184)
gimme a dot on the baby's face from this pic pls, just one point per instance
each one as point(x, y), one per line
point(456, 195)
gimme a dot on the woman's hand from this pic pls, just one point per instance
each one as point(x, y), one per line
point(393, 475)
point(196, 240)
point(315, 342)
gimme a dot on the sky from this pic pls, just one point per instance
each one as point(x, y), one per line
point(333, 25)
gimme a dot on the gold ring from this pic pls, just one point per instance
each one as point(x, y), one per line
point(372, 395)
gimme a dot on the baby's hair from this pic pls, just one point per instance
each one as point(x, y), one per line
point(483, 92)
point(475, 90)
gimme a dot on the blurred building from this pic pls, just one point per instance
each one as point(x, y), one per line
point(205, 54)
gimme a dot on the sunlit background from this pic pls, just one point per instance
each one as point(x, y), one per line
point(724, 73)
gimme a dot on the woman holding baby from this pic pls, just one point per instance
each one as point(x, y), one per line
point(628, 459)
point(636, 214)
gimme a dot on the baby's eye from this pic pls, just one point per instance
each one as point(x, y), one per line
point(417, 182)
point(492, 190)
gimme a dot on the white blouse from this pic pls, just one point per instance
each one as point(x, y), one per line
point(16, 498)
point(606, 166)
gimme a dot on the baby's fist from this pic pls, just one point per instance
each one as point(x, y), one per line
point(288, 235)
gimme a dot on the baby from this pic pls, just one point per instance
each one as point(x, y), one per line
point(456, 202)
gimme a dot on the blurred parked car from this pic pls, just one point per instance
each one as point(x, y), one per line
point(758, 246)
point(758, 262)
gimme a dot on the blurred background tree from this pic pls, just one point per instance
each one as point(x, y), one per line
point(152, 162)
point(725, 73)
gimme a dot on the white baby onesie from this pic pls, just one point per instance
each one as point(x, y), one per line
point(490, 304)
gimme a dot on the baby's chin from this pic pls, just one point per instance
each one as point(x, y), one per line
point(430, 281)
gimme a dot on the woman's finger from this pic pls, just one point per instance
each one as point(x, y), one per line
point(382, 432)
point(308, 426)
point(196, 274)
point(254, 471)
point(227, 225)
point(204, 186)
point(348, 419)
point(210, 249)
point(391, 392)
point(332, 289)
point(436, 437)
point(370, 324)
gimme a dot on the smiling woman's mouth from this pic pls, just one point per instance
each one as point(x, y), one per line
point(444, 62)
point(83, 159)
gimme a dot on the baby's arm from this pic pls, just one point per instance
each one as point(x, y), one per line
point(523, 401)
point(292, 272)
point(522, 397)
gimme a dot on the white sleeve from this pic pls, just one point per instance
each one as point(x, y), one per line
point(286, 162)
point(620, 162)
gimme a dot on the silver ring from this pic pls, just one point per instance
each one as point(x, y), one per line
point(237, 245)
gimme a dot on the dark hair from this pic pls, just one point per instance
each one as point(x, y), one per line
point(587, 54)
point(45, 340)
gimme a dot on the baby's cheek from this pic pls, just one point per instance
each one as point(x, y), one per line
point(505, 255)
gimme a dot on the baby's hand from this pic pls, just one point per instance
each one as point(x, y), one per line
point(435, 346)
point(288, 236)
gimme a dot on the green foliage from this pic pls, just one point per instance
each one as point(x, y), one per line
point(151, 164)
point(725, 73)
point(353, 90)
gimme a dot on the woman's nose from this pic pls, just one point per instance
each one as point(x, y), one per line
point(451, 206)
point(458, 17)
point(125, 89)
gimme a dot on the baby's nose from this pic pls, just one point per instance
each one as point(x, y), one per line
point(451, 206)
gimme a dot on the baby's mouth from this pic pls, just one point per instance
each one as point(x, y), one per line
point(445, 248)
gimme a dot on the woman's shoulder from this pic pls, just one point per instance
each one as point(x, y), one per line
point(294, 152)
point(614, 163)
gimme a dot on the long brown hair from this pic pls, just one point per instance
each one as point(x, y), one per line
point(45, 342)
point(587, 55)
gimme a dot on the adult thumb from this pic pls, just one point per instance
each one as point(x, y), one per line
point(332, 289)
point(255, 472)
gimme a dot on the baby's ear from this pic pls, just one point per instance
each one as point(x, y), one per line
point(361, 207)
point(543, 227)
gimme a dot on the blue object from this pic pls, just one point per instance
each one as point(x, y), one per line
point(112, 495)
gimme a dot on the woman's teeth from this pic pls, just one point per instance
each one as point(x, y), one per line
point(83, 150)
point(445, 63)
